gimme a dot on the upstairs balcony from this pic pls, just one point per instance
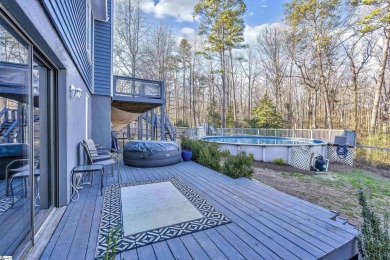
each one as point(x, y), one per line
point(137, 95)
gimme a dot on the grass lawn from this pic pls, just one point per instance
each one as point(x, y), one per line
point(336, 190)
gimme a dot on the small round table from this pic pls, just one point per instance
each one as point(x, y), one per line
point(87, 169)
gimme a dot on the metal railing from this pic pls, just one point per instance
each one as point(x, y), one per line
point(327, 135)
point(140, 88)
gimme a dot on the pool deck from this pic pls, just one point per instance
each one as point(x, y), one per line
point(266, 223)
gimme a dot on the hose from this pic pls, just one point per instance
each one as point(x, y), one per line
point(342, 151)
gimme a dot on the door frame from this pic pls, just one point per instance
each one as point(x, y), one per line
point(52, 124)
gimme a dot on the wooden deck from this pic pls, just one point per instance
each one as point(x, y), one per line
point(267, 224)
point(14, 222)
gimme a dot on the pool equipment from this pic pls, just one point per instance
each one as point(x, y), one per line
point(342, 151)
point(320, 164)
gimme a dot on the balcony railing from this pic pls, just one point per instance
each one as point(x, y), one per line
point(138, 88)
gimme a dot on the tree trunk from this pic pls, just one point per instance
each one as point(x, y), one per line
point(378, 88)
point(233, 90)
point(223, 110)
point(184, 93)
point(355, 104)
point(314, 109)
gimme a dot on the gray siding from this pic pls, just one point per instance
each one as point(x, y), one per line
point(103, 54)
point(69, 18)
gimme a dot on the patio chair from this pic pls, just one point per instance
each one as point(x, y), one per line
point(23, 173)
point(9, 172)
point(104, 159)
point(99, 153)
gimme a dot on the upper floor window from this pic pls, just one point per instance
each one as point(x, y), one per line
point(88, 30)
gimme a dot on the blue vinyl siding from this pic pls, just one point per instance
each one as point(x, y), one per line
point(103, 54)
point(69, 18)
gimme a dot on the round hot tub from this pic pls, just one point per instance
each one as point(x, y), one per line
point(267, 148)
point(146, 154)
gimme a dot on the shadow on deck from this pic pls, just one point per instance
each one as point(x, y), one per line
point(267, 224)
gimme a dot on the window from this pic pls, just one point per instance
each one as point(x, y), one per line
point(88, 29)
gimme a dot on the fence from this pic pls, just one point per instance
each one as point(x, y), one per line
point(375, 156)
point(327, 135)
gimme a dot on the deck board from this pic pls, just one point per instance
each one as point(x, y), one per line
point(272, 221)
point(267, 224)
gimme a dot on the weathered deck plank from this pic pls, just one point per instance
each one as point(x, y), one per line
point(267, 224)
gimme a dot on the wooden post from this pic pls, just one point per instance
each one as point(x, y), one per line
point(162, 122)
point(153, 126)
point(147, 125)
point(140, 127)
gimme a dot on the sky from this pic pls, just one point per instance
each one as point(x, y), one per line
point(178, 13)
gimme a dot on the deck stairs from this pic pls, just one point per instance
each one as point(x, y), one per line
point(154, 121)
point(8, 126)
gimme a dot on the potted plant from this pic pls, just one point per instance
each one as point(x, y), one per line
point(187, 155)
point(186, 145)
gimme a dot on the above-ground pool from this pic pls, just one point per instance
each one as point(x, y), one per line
point(267, 148)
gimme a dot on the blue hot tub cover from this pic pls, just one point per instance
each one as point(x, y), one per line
point(151, 146)
point(146, 154)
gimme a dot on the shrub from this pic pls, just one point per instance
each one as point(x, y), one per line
point(210, 158)
point(205, 153)
point(279, 161)
point(374, 237)
point(239, 166)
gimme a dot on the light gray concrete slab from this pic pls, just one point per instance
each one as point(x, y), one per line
point(150, 206)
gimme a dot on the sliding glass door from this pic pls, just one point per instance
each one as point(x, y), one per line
point(26, 140)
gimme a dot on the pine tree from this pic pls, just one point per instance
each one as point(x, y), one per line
point(222, 22)
point(266, 114)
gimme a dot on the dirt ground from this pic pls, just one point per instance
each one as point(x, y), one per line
point(336, 189)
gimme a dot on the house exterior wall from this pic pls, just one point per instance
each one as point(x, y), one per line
point(103, 50)
point(75, 116)
point(101, 120)
point(69, 18)
point(58, 28)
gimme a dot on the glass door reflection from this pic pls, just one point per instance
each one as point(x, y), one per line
point(15, 140)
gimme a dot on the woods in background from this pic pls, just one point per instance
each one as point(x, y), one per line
point(326, 66)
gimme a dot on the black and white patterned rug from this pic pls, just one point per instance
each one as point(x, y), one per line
point(6, 203)
point(112, 220)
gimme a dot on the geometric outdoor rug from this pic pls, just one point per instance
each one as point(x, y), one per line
point(190, 211)
point(6, 203)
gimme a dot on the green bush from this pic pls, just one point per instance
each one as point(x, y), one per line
point(239, 166)
point(279, 161)
point(210, 158)
point(205, 153)
point(374, 237)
